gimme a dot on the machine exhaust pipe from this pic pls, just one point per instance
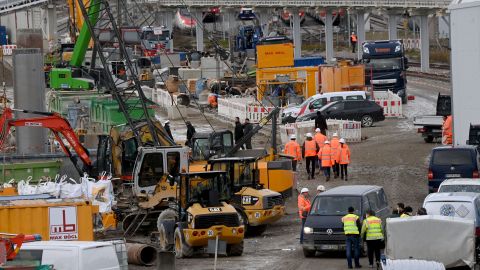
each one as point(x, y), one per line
point(141, 254)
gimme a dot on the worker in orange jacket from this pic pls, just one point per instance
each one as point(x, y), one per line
point(325, 154)
point(309, 152)
point(344, 158)
point(447, 132)
point(335, 144)
point(353, 41)
point(292, 148)
point(320, 139)
point(304, 206)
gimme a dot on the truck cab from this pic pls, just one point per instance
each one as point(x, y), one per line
point(385, 66)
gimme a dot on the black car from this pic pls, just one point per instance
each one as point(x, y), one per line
point(365, 111)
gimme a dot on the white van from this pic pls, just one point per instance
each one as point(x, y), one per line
point(315, 102)
point(75, 255)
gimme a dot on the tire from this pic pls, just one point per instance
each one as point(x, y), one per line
point(235, 249)
point(428, 139)
point(309, 253)
point(367, 121)
point(168, 214)
point(256, 230)
point(182, 249)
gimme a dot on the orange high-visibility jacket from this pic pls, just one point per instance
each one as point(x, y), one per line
point(320, 139)
point(447, 130)
point(292, 148)
point(310, 148)
point(325, 154)
point(303, 205)
point(335, 144)
point(344, 154)
point(353, 37)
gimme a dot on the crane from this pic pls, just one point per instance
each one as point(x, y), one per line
point(57, 125)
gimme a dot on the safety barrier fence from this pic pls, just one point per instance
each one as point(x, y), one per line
point(242, 107)
point(161, 97)
point(390, 102)
point(351, 131)
point(8, 49)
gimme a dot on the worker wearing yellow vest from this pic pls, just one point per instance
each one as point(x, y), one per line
point(351, 227)
point(407, 213)
point(304, 206)
point(447, 132)
point(353, 41)
point(325, 154)
point(343, 158)
point(310, 151)
point(320, 139)
point(335, 144)
point(292, 148)
point(372, 232)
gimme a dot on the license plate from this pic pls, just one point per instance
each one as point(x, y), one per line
point(452, 175)
point(329, 247)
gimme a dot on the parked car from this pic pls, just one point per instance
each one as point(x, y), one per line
point(246, 14)
point(365, 111)
point(323, 229)
point(460, 185)
point(315, 102)
point(452, 162)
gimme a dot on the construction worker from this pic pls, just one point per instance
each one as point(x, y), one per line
point(335, 144)
point(190, 132)
point(321, 123)
point(447, 132)
point(166, 126)
point(407, 213)
point(247, 127)
point(421, 211)
point(320, 139)
point(344, 158)
point(292, 148)
point(320, 189)
point(304, 205)
point(309, 152)
point(325, 154)
point(353, 41)
point(351, 228)
point(238, 134)
point(372, 232)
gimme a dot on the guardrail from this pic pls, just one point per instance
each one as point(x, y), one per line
point(306, 3)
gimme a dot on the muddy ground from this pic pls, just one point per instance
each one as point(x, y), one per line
point(393, 156)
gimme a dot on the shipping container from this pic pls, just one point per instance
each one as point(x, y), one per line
point(53, 219)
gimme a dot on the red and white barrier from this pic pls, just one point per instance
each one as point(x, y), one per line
point(411, 43)
point(8, 49)
point(242, 107)
point(390, 102)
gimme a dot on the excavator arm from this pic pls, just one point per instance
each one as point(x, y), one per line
point(57, 124)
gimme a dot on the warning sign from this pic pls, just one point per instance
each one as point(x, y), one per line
point(63, 223)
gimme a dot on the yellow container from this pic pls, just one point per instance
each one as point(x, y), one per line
point(275, 55)
point(342, 78)
point(305, 79)
point(61, 220)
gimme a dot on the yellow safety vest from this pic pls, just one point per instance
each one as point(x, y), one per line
point(374, 228)
point(350, 224)
point(404, 215)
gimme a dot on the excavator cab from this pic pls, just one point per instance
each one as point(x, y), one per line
point(206, 145)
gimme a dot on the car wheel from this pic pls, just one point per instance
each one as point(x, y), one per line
point(367, 121)
point(428, 139)
point(308, 253)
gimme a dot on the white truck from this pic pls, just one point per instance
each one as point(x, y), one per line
point(430, 126)
point(76, 255)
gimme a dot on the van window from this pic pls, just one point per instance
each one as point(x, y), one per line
point(356, 97)
point(335, 205)
point(29, 257)
point(336, 98)
point(382, 199)
point(452, 157)
point(459, 188)
point(372, 199)
point(317, 104)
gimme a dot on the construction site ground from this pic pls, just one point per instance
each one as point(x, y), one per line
point(393, 155)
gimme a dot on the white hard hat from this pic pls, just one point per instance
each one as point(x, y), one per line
point(342, 140)
point(308, 135)
point(166, 122)
point(304, 190)
point(321, 188)
point(317, 130)
point(335, 134)
point(327, 142)
point(293, 137)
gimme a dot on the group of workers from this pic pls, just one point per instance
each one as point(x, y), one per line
point(190, 131)
point(317, 150)
point(241, 130)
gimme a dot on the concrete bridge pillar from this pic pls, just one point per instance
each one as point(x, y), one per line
point(297, 34)
point(329, 53)
point(360, 31)
point(197, 13)
point(424, 44)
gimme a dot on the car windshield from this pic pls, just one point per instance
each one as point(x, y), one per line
point(459, 188)
point(202, 185)
point(384, 64)
point(185, 13)
point(452, 157)
point(335, 205)
point(150, 35)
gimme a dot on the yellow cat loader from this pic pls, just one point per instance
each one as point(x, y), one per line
point(257, 205)
point(200, 213)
